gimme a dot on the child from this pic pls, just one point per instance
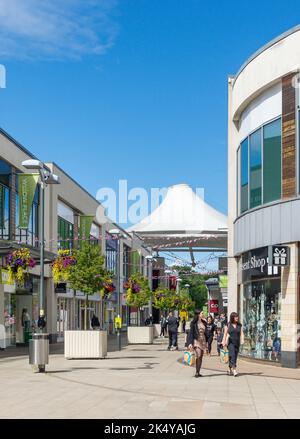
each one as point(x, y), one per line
point(219, 340)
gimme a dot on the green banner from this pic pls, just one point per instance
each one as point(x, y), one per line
point(223, 281)
point(85, 225)
point(2, 206)
point(27, 185)
point(135, 262)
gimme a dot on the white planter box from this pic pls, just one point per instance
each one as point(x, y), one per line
point(85, 344)
point(156, 330)
point(140, 334)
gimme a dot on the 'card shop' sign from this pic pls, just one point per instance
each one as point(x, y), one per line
point(255, 265)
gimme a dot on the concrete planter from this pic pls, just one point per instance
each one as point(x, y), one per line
point(156, 330)
point(140, 334)
point(85, 344)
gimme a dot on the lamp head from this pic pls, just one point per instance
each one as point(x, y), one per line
point(32, 164)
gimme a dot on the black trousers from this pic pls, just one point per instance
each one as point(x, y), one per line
point(162, 331)
point(209, 343)
point(172, 338)
point(233, 354)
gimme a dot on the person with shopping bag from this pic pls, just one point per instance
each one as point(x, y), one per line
point(197, 341)
point(232, 340)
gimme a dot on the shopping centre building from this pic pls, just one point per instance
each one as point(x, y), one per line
point(264, 200)
point(65, 204)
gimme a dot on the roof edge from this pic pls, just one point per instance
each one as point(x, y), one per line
point(265, 47)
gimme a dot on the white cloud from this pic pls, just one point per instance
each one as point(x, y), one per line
point(56, 28)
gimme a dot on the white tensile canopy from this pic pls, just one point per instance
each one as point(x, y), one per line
point(183, 221)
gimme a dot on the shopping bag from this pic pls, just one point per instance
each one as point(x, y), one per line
point(189, 358)
point(224, 355)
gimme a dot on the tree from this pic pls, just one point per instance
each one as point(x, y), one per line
point(89, 273)
point(197, 288)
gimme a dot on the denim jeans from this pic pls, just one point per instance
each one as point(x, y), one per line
point(172, 338)
point(233, 354)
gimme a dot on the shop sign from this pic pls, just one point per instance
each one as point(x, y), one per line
point(279, 255)
point(214, 306)
point(255, 265)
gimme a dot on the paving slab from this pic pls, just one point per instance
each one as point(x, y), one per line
point(145, 382)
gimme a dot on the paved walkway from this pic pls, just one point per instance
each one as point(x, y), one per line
point(146, 382)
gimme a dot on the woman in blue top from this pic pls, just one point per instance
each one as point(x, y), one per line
point(233, 339)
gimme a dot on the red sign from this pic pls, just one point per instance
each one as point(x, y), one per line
point(214, 306)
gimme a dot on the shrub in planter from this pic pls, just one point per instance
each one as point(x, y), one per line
point(89, 274)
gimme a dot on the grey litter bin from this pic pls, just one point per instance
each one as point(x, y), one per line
point(39, 351)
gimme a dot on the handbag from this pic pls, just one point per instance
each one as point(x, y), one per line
point(224, 355)
point(189, 358)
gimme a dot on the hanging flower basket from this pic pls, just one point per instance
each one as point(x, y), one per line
point(138, 292)
point(62, 265)
point(108, 288)
point(18, 264)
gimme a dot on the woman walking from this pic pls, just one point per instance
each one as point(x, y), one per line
point(233, 338)
point(197, 339)
point(210, 331)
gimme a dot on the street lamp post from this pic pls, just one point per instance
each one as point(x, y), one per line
point(150, 258)
point(117, 233)
point(46, 177)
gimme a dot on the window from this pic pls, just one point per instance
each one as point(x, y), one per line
point(29, 236)
point(259, 167)
point(4, 212)
point(65, 232)
point(111, 258)
point(272, 161)
point(5, 172)
point(255, 169)
point(244, 176)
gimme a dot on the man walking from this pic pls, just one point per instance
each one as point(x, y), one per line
point(172, 324)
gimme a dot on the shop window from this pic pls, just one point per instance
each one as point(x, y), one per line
point(255, 169)
point(262, 320)
point(272, 161)
point(244, 176)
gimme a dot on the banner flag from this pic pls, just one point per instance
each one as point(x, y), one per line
point(26, 186)
point(135, 262)
point(85, 225)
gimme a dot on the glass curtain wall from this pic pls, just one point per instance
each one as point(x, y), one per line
point(272, 161)
point(259, 167)
point(244, 176)
point(255, 169)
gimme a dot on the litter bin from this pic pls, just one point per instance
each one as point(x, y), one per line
point(39, 351)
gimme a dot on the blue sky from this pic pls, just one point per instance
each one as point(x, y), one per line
point(130, 89)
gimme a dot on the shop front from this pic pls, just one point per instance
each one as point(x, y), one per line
point(20, 309)
point(260, 306)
